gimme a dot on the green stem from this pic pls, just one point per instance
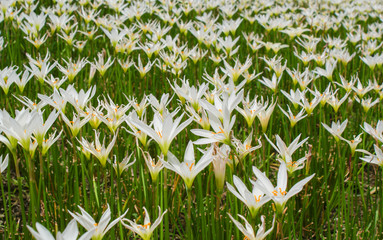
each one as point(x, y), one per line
point(32, 184)
point(20, 189)
point(166, 204)
point(189, 219)
point(5, 204)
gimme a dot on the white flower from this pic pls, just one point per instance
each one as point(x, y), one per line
point(41, 127)
point(221, 130)
point(293, 118)
point(123, 165)
point(376, 132)
point(146, 230)
point(70, 232)
point(328, 71)
point(99, 228)
point(248, 230)
point(188, 169)
point(143, 70)
point(47, 143)
point(154, 168)
point(3, 163)
point(243, 149)
point(371, 158)
point(273, 83)
point(335, 102)
point(250, 109)
point(160, 105)
point(336, 128)
point(101, 65)
point(265, 113)
point(97, 149)
point(353, 143)
point(77, 123)
point(254, 200)
point(165, 129)
point(281, 147)
point(291, 165)
point(278, 194)
point(80, 99)
point(220, 159)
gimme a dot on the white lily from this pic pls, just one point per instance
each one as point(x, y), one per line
point(265, 113)
point(70, 232)
point(3, 163)
point(281, 147)
point(188, 169)
point(254, 200)
point(154, 168)
point(336, 128)
point(146, 230)
point(353, 143)
point(248, 230)
point(120, 167)
point(165, 129)
point(97, 149)
point(99, 228)
point(376, 158)
point(278, 194)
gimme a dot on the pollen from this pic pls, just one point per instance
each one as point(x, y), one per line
point(159, 133)
point(191, 166)
point(282, 192)
point(146, 225)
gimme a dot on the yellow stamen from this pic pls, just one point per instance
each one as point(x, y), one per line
point(190, 167)
point(146, 225)
point(159, 133)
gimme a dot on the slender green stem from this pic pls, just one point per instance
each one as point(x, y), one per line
point(32, 186)
point(189, 216)
point(5, 206)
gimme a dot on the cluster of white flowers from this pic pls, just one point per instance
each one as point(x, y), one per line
point(225, 64)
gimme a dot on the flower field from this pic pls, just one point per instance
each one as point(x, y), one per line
point(191, 119)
